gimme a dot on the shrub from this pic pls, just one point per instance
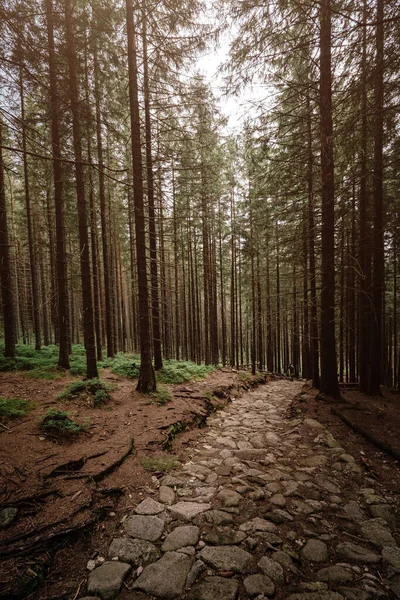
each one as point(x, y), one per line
point(58, 422)
point(125, 365)
point(162, 396)
point(13, 408)
point(94, 390)
point(175, 371)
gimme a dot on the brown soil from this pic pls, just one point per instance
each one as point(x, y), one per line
point(379, 416)
point(72, 493)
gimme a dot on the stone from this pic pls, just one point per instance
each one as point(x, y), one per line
point(214, 588)
point(166, 494)
point(226, 558)
point(144, 527)
point(356, 553)
point(167, 577)
point(347, 458)
point(259, 584)
point(335, 574)
point(188, 510)
point(218, 517)
point(224, 537)
point(7, 516)
point(316, 596)
point(133, 551)
point(391, 556)
point(278, 516)
point(197, 569)
point(148, 506)
point(377, 532)
point(186, 535)
point(318, 460)
point(271, 568)
point(171, 481)
point(258, 524)
point(314, 424)
point(315, 551)
point(254, 454)
point(353, 510)
point(284, 560)
point(327, 485)
point(384, 511)
point(278, 500)
point(106, 581)
point(354, 593)
point(228, 497)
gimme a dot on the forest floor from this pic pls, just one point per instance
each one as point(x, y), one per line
point(72, 493)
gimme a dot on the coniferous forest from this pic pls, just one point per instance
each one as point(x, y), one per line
point(133, 220)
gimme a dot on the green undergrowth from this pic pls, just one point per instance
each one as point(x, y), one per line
point(14, 408)
point(160, 465)
point(125, 365)
point(42, 364)
point(94, 391)
point(59, 422)
point(162, 396)
point(176, 371)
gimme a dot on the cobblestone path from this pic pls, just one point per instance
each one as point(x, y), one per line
point(267, 507)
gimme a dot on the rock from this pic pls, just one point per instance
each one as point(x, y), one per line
point(188, 510)
point(224, 537)
point(144, 528)
point(318, 460)
point(335, 574)
point(314, 424)
point(354, 511)
point(356, 553)
point(271, 568)
point(285, 561)
point(315, 551)
point(197, 569)
point(186, 535)
point(135, 552)
point(354, 593)
point(7, 516)
point(258, 524)
point(347, 458)
point(278, 500)
point(384, 511)
point(214, 588)
point(226, 558)
point(391, 556)
point(148, 506)
point(259, 584)
point(165, 578)
point(327, 485)
point(218, 517)
point(166, 494)
point(316, 596)
point(106, 581)
point(228, 497)
point(171, 481)
point(278, 516)
point(376, 531)
point(254, 454)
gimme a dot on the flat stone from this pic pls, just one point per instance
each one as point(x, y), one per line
point(148, 506)
point(354, 593)
point(144, 527)
point(259, 584)
point(214, 588)
point(171, 481)
point(218, 517)
point(228, 497)
point(314, 424)
point(327, 485)
point(224, 537)
point(391, 556)
point(254, 454)
point(347, 458)
point(7, 516)
point(318, 460)
point(315, 551)
point(259, 524)
point(278, 500)
point(106, 581)
point(165, 578)
point(335, 574)
point(316, 596)
point(135, 552)
point(197, 569)
point(271, 568)
point(353, 510)
point(377, 532)
point(166, 494)
point(284, 560)
point(356, 553)
point(384, 511)
point(188, 510)
point(278, 516)
point(186, 535)
point(226, 558)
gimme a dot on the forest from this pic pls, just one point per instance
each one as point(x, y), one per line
point(132, 219)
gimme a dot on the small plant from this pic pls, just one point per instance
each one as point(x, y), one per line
point(161, 465)
point(58, 422)
point(95, 391)
point(125, 365)
point(176, 428)
point(162, 396)
point(175, 371)
point(14, 408)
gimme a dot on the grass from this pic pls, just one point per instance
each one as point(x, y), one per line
point(160, 465)
point(58, 422)
point(93, 390)
point(175, 371)
point(162, 396)
point(125, 365)
point(42, 364)
point(14, 408)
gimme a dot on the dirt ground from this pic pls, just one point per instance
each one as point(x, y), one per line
point(72, 493)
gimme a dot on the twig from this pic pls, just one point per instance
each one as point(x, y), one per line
point(78, 590)
point(5, 427)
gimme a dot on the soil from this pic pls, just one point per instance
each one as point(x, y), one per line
point(71, 494)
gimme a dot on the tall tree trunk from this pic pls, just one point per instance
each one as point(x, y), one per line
point(375, 374)
point(87, 298)
point(7, 297)
point(329, 384)
point(147, 380)
point(278, 308)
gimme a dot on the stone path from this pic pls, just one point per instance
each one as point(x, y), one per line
point(267, 507)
